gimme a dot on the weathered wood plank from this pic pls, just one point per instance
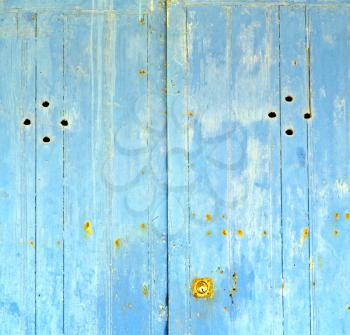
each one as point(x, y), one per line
point(294, 109)
point(329, 169)
point(49, 172)
point(17, 174)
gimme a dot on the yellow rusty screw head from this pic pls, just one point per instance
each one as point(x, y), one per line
point(202, 287)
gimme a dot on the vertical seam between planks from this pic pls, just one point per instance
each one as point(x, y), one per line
point(311, 271)
point(35, 171)
point(148, 156)
point(188, 175)
point(63, 170)
point(281, 196)
point(165, 27)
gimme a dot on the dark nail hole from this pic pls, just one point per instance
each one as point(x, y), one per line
point(289, 132)
point(272, 115)
point(288, 98)
point(307, 116)
point(46, 139)
point(45, 104)
point(26, 122)
point(64, 123)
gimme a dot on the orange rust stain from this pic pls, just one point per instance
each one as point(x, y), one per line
point(87, 228)
point(337, 216)
point(311, 263)
point(347, 216)
point(208, 217)
point(240, 232)
point(209, 232)
point(224, 232)
point(143, 226)
point(335, 232)
point(304, 235)
point(116, 244)
point(142, 72)
point(145, 290)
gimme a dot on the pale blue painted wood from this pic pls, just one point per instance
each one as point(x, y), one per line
point(329, 169)
point(224, 152)
point(49, 171)
point(294, 84)
point(17, 170)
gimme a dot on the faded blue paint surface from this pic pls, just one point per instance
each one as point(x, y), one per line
point(193, 139)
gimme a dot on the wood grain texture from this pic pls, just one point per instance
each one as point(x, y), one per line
point(166, 163)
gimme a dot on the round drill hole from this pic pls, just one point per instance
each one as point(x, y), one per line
point(272, 115)
point(288, 98)
point(46, 139)
point(45, 104)
point(307, 116)
point(26, 122)
point(64, 123)
point(289, 132)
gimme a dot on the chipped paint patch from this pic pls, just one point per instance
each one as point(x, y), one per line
point(240, 232)
point(116, 244)
point(87, 228)
point(304, 236)
point(208, 217)
point(145, 290)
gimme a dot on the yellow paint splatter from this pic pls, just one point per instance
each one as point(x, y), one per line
point(143, 226)
point(337, 216)
point(142, 72)
point(304, 236)
point(224, 232)
point(209, 232)
point(347, 216)
point(145, 290)
point(87, 228)
point(189, 113)
point(208, 217)
point(240, 232)
point(31, 243)
point(116, 244)
point(335, 232)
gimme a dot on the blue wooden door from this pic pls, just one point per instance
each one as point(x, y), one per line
point(174, 167)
